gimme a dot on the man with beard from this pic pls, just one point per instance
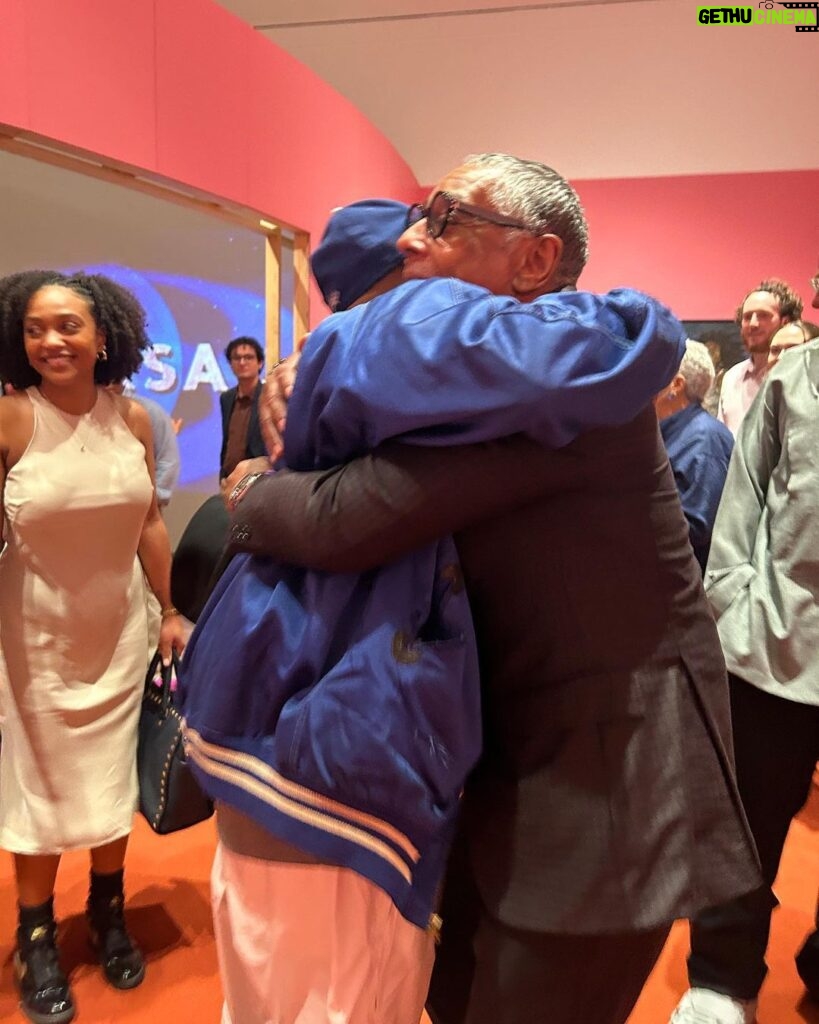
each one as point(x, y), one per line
point(760, 315)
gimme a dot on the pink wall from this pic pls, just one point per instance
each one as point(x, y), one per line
point(186, 91)
point(700, 243)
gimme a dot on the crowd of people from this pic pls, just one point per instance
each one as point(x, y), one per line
point(458, 683)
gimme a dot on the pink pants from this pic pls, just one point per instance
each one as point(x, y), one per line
point(313, 944)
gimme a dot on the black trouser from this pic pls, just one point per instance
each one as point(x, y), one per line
point(776, 743)
point(488, 973)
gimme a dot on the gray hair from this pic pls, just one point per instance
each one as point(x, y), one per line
point(543, 200)
point(697, 368)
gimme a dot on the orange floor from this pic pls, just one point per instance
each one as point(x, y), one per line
point(170, 916)
point(782, 999)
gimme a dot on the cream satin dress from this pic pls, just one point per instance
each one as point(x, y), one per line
point(73, 631)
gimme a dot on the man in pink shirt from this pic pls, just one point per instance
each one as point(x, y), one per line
point(762, 312)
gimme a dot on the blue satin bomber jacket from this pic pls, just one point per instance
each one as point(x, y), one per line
point(342, 711)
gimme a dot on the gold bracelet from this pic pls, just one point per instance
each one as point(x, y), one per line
point(169, 612)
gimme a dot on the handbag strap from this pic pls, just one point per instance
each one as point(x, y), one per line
point(166, 674)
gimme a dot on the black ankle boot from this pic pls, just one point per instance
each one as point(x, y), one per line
point(45, 997)
point(807, 964)
point(121, 960)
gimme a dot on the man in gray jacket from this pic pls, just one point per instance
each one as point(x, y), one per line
point(763, 583)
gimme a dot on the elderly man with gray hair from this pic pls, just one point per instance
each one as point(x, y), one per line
point(698, 445)
point(597, 649)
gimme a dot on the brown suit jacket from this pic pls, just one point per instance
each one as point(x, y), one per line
point(605, 799)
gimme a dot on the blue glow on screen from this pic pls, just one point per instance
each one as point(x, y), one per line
point(190, 321)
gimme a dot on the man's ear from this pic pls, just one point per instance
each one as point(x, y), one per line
point(677, 384)
point(538, 268)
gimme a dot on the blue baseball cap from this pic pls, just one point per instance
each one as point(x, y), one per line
point(357, 249)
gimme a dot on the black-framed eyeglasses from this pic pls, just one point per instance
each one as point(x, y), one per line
point(443, 206)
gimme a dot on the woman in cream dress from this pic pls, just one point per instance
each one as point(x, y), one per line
point(82, 532)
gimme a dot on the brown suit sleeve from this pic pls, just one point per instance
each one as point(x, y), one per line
point(376, 508)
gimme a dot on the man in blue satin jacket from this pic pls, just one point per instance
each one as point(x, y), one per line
point(448, 363)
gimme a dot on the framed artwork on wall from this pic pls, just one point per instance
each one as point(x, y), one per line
point(723, 340)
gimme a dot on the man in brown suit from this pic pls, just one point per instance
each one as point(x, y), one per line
point(604, 806)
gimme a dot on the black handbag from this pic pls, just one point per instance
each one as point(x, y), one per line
point(170, 798)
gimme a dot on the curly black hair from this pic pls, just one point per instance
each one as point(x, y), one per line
point(115, 310)
point(252, 342)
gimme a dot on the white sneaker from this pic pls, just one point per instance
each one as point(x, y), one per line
point(702, 1006)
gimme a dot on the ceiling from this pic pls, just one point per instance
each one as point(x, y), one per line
point(596, 88)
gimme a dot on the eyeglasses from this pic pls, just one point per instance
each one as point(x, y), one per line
point(244, 359)
point(443, 206)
